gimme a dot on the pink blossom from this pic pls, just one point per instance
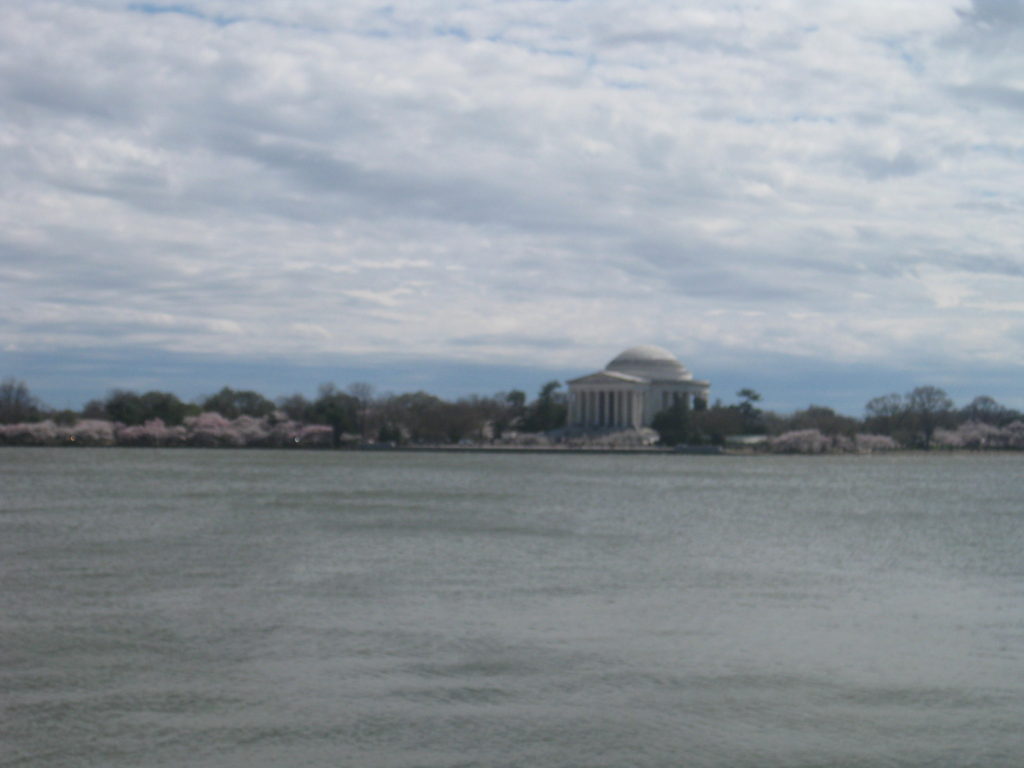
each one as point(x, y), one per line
point(35, 433)
point(284, 433)
point(872, 443)
point(92, 432)
point(971, 434)
point(1014, 434)
point(800, 441)
point(315, 436)
point(253, 431)
point(211, 430)
point(153, 433)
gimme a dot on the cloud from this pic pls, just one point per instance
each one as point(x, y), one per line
point(506, 182)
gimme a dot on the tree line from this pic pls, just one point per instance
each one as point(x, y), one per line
point(335, 417)
point(926, 417)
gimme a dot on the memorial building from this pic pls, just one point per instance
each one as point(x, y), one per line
point(631, 389)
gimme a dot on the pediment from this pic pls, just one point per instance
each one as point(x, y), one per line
point(608, 377)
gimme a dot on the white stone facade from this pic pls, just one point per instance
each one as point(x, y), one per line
point(631, 389)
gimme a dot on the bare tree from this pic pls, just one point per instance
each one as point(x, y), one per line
point(17, 404)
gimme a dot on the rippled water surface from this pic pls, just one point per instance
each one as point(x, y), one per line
point(262, 608)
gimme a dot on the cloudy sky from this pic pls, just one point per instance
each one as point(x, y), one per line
point(822, 201)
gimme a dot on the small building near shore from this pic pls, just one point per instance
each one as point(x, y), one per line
point(631, 389)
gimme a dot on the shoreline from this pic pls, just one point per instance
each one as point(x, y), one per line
point(538, 450)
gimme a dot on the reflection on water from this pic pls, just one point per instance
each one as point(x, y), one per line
point(261, 608)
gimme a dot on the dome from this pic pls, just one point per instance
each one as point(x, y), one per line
point(650, 362)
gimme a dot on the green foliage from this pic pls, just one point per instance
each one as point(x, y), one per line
point(674, 425)
point(548, 411)
point(231, 403)
point(505, 411)
point(296, 407)
point(337, 409)
point(749, 396)
point(821, 418)
point(419, 415)
point(751, 416)
point(133, 409)
point(125, 406)
point(714, 424)
point(516, 400)
point(389, 433)
point(165, 406)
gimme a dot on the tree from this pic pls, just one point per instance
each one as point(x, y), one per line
point(911, 420)
point(548, 411)
point(750, 415)
point(716, 423)
point(166, 407)
point(131, 408)
point(884, 415)
point(389, 433)
point(296, 407)
point(419, 415)
point(17, 403)
point(338, 410)
point(363, 393)
point(673, 424)
point(125, 406)
point(507, 411)
point(985, 409)
point(231, 403)
point(462, 419)
point(821, 418)
point(928, 407)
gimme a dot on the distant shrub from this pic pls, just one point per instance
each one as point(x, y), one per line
point(152, 433)
point(34, 433)
point(979, 435)
point(800, 441)
point(211, 430)
point(1015, 434)
point(873, 443)
point(315, 436)
point(253, 431)
point(92, 432)
point(810, 441)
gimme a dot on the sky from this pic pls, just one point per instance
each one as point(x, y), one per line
point(821, 201)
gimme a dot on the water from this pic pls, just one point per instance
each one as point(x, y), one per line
point(262, 608)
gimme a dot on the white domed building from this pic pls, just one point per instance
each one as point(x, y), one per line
point(631, 389)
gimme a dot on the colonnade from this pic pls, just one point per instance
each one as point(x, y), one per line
point(607, 408)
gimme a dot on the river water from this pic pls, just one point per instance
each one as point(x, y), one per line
point(242, 609)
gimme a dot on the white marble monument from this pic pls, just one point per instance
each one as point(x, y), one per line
point(631, 389)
